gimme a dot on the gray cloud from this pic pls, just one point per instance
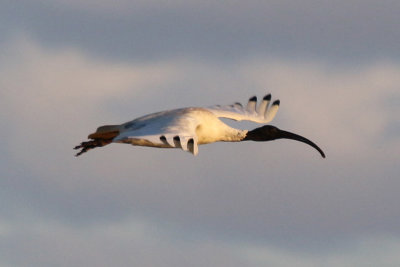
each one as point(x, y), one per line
point(341, 31)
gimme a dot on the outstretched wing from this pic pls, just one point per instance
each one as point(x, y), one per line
point(263, 113)
point(169, 129)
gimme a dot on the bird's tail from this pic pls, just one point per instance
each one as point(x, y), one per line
point(103, 136)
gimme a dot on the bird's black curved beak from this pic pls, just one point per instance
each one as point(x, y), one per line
point(269, 133)
point(293, 136)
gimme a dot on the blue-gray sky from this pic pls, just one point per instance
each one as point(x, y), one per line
point(67, 67)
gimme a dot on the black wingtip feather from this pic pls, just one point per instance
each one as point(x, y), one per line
point(254, 98)
point(276, 102)
point(267, 97)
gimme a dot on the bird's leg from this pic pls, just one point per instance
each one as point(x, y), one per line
point(86, 146)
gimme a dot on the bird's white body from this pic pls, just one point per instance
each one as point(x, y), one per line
point(175, 128)
point(186, 128)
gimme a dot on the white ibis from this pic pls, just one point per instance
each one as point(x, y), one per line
point(186, 128)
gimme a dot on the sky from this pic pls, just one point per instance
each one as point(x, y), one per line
point(67, 67)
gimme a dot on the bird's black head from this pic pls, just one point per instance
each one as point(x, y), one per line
point(265, 133)
point(269, 133)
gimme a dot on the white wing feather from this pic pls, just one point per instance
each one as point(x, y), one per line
point(170, 129)
point(261, 114)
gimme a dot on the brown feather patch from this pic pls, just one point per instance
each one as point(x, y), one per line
point(105, 132)
point(106, 135)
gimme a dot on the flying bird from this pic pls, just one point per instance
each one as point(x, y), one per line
point(186, 128)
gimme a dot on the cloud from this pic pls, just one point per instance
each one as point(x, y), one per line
point(278, 199)
point(347, 31)
point(136, 242)
point(376, 251)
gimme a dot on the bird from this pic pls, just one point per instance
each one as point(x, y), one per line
point(187, 128)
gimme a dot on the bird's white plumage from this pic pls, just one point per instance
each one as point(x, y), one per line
point(261, 114)
point(160, 129)
point(187, 128)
